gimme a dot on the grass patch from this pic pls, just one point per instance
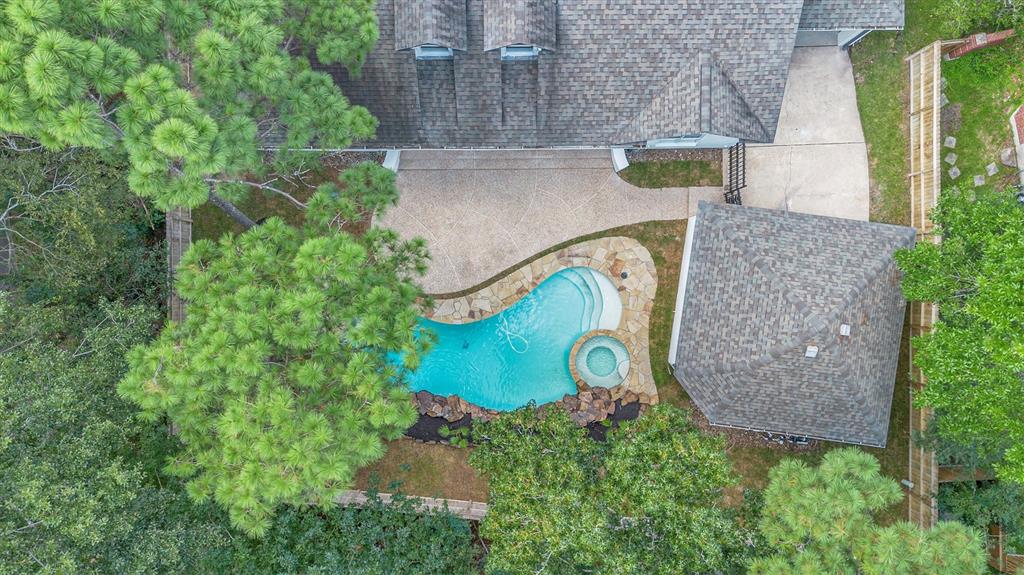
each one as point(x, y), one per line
point(882, 88)
point(427, 470)
point(984, 88)
point(673, 173)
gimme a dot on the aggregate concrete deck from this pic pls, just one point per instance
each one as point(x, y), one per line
point(484, 211)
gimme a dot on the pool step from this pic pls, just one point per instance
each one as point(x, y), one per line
point(577, 279)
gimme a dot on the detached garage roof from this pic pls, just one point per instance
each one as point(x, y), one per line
point(851, 14)
point(791, 323)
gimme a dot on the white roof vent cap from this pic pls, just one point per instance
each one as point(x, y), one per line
point(812, 351)
point(844, 330)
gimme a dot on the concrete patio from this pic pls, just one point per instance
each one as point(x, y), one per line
point(818, 163)
point(483, 211)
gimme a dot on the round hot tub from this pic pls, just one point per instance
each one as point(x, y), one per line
point(602, 361)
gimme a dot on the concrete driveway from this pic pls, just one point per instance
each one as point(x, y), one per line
point(818, 163)
point(483, 211)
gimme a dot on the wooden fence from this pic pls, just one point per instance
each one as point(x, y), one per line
point(998, 557)
point(925, 180)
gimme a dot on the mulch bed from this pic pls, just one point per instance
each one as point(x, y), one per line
point(743, 438)
point(428, 428)
point(705, 154)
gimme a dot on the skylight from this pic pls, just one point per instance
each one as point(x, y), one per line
point(515, 53)
point(427, 52)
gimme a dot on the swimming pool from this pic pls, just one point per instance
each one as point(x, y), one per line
point(522, 353)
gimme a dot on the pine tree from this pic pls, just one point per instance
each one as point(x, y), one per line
point(822, 520)
point(191, 90)
point(283, 380)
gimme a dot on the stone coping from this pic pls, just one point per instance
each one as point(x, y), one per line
point(612, 256)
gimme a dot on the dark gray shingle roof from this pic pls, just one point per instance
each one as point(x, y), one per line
point(438, 22)
point(762, 285)
point(620, 72)
point(851, 14)
point(530, 22)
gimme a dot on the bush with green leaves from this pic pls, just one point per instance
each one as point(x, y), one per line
point(823, 520)
point(281, 381)
point(982, 504)
point(75, 496)
point(190, 90)
point(646, 501)
point(974, 358)
point(77, 232)
point(387, 538)
point(960, 17)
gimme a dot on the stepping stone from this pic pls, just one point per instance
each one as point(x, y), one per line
point(944, 101)
point(950, 142)
point(944, 83)
point(950, 158)
point(1006, 157)
point(979, 181)
point(954, 173)
point(992, 169)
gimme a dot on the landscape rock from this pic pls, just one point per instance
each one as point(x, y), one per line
point(1008, 158)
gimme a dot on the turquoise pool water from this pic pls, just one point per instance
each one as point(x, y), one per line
point(522, 353)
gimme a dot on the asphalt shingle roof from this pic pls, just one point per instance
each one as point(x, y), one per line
point(612, 71)
point(762, 286)
point(851, 14)
point(619, 72)
point(437, 22)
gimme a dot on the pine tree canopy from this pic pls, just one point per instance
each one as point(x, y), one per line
point(191, 89)
point(822, 520)
point(282, 380)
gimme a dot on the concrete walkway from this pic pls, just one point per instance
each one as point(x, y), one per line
point(818, 163)
point(483, 211)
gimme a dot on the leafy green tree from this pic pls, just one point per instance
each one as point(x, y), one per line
point(78, 233)
point(73, 496)
point(982, 504)
point(822, 520)
point(281, 381)
point(647, 501)
point(380, 538)
point(191, 90)
point(974, 358)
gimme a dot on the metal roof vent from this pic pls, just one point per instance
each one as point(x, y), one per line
point(844, 330)
point(812, 351)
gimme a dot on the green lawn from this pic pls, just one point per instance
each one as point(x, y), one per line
point(985, 87)
point(882, 83)
point(673, 173)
